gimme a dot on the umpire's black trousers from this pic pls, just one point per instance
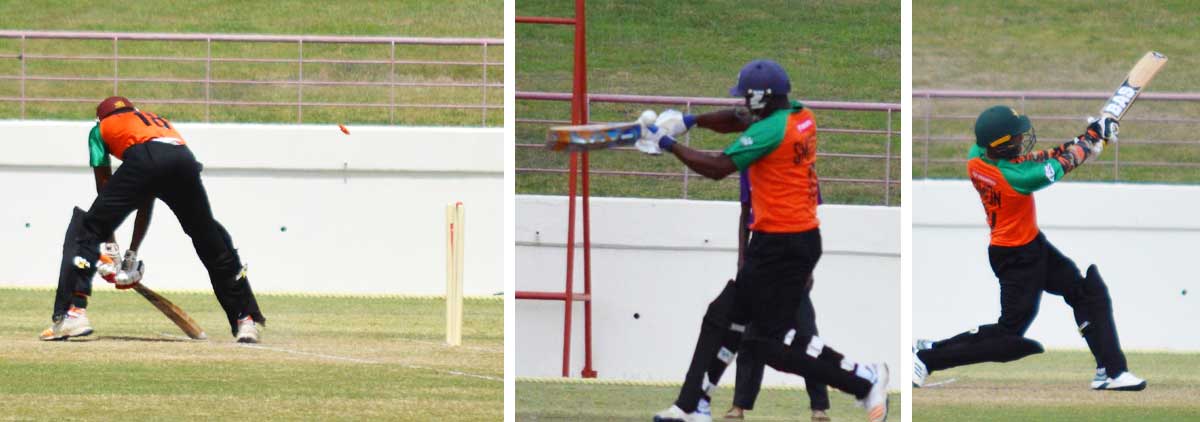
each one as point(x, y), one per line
point(171, 173)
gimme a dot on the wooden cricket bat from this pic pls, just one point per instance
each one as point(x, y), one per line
point(176, 315)
point(1138, 78)
point(591, 137)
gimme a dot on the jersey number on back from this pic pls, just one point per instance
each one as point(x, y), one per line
point(158, 121)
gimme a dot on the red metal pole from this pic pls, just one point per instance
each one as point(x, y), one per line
point(580, 116)
point(566, 365)
point(588, 372)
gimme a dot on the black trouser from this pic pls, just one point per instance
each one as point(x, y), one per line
point(750, 369)
point(770, 287)
point(1024, 273)
point(172, 174)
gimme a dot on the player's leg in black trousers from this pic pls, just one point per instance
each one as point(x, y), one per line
point(125, 190)
point(181, 189)
point(1021, 272)
point(750, 370)
point(769, 289)
point(1092, 306)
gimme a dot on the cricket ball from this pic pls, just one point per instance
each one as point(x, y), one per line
point(343, 128)
point(648, 117)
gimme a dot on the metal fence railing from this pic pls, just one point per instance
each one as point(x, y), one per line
point(888, 160)
point(1157, 141)
point(304, 79)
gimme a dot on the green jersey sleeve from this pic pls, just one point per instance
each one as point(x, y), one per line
point(98, 152)
point(1029, 176)
point(759, 140)
point(1026, 176)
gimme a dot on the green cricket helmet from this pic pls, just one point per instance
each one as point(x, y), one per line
point(1004, 133)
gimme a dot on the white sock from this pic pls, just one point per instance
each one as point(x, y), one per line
point(703, 407)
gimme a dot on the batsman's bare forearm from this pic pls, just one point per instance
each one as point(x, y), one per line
point(724, 121)
point(102, 174)
point(141, 224)
point(714, 166)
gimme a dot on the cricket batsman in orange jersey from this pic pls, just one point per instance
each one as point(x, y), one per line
point(1006, 174)
point(758, 312)
point(156, 163)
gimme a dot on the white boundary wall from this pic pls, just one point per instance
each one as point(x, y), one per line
point(665, 260)
point(363, 213)
point(1143, 237)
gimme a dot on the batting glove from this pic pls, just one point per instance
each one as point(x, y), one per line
point(110, 261)
point(131, 271)
point(1104, 128)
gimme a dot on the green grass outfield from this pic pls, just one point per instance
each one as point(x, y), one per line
point(1058, 45)
point(408, 18)
point(554, 400)
point(1053, 387)
point(833, 50)
point(328, 357)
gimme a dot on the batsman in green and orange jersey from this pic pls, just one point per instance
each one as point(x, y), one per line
point(758, 312)
point(1006, 174)
point(155, 164)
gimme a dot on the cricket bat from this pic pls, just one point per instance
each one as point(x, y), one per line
point(1138, 78)
point(591, 137)
point(176, 315)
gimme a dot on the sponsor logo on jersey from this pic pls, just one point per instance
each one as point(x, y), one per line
point(746, 141)
point(1049, 172)
point(982, 178)
point(804, 125)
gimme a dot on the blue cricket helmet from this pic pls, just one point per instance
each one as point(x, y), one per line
point(762, 75)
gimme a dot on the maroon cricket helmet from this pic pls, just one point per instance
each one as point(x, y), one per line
point(111, 105)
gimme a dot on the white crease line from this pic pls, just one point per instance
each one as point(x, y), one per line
point(410, 366)
point(941, 383)
point(444, 345)
point(297, 352)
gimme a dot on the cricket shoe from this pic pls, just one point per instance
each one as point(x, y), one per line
point(876, 401)
point(735, 413)
point(247, 330)
point(674, 414)
point(820, 416)
point(1099, 379)
point(920, 372)
point(1127, 381)
point(74, 324)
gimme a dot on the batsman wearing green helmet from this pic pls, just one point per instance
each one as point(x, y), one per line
point(1006, 174)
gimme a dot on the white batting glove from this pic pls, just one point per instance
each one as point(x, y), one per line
point(671, 122)
point(131, 271)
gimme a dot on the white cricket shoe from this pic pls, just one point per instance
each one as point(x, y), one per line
point(1099, 379)
point(876, 401)
point(923, 344)
point(74, 324)
point(1127, 381)
point(247, 330)
point(675, 414)
point(919, 370)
